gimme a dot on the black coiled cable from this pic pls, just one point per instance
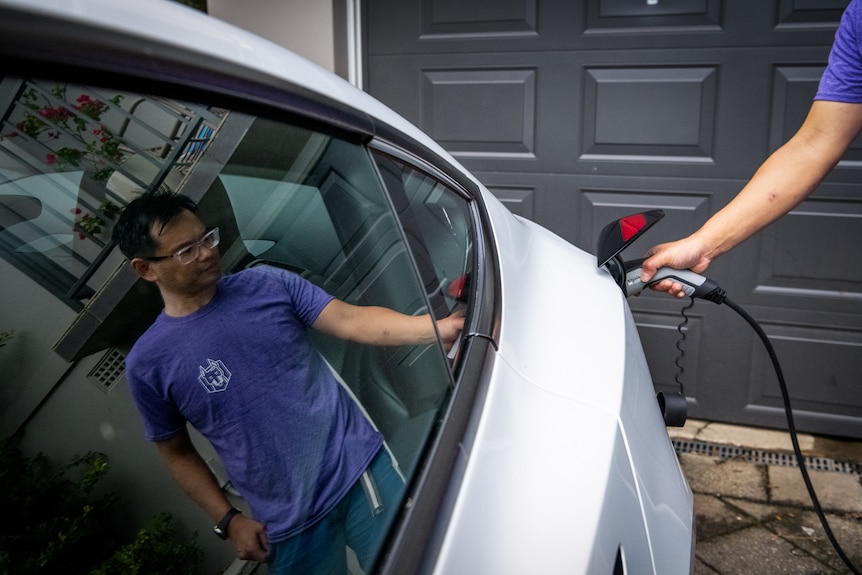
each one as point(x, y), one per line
point(681, 329)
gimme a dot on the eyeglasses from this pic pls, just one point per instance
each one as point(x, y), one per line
point(190, 253)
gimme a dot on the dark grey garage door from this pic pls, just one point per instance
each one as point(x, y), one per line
point(576, 113)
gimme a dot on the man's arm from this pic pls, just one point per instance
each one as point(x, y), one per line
point(789, 176)
point(382, 326)
point(194, 476)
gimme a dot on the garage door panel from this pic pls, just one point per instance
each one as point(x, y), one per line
point(635, 14)
point(821, 367)
point(665, 113)
point(810, 14)
point(795, 87)
point(447, 26)
point(519, 200)
point(831, 271)
point(487, 17)
point(461, 109)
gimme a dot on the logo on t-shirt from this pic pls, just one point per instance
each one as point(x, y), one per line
point(215, 376)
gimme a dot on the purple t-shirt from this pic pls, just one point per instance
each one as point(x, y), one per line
point(242, 371)
point(842, 80)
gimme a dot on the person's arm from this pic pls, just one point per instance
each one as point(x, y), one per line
point(382, 326)
point(194, 476)
point(784, 180)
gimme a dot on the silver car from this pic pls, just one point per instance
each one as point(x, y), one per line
point(535, 445)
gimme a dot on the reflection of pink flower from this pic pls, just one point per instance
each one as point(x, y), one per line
point(75, 211)
point(82, 236)
point(71, 132)
point(57, 114)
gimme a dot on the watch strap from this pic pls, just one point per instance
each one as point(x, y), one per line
point(221, 528)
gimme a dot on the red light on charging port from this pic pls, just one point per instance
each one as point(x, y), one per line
point(631, 225)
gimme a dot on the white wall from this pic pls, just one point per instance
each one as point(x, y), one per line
point(303, 26)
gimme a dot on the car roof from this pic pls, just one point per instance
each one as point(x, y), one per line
point(162, 39)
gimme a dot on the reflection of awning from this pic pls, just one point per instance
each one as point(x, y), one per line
point(35, 207)
point(135, 174)
point(17, 208)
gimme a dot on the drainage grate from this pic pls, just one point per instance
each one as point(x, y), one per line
point(766, 457)
point(108, 370)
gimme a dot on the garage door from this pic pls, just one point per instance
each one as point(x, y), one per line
point(576, 113)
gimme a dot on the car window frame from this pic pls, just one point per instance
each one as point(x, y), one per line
point(423, 523)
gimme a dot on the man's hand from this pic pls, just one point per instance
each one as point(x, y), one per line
point(685, 254)
point(449, 327)
point(249, 538)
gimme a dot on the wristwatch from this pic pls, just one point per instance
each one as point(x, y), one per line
point(221, 528)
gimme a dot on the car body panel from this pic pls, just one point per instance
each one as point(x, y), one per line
point(570, 408)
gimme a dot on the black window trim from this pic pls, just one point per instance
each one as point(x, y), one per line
point(414, 546)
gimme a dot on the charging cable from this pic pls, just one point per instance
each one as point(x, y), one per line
point(791, 427)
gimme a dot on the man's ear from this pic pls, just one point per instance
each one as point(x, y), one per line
point(144, 268)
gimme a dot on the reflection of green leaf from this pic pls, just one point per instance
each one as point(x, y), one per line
point(5, 336)
point(157, 550)
point(109, 209)
point(55, 520)
point(71, 156)
point(90, 223)
point(102, 175)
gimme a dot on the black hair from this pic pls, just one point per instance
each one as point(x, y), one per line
point(133, 231)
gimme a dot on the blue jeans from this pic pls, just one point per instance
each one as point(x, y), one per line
point(322, 548)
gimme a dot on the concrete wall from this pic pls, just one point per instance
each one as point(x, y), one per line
point(303, 26)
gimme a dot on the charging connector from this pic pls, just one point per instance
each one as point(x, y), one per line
point(693, 285)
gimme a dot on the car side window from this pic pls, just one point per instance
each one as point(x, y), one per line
point(281, 195)
point(313, 204)
point(436, 222)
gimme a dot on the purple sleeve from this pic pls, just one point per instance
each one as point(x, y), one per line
point(842, 80)
point(160, 417)
point(308, 299)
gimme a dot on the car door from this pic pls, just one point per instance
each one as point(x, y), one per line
point(372, 225)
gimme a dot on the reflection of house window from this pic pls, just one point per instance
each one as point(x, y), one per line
point(108, 371)
point(70, 157)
